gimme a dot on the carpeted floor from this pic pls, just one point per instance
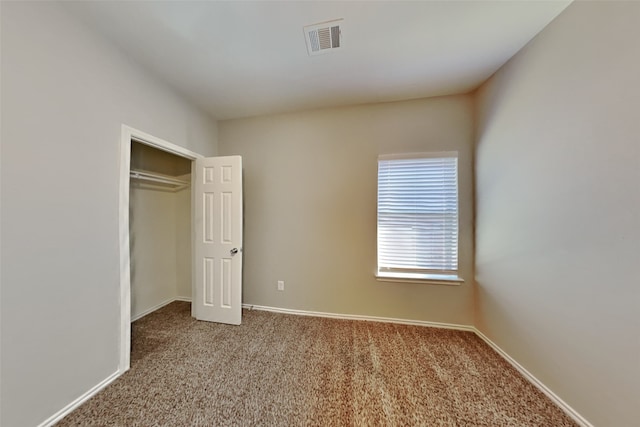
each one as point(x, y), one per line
point(284, 370)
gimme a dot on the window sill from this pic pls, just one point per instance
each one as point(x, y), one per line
point(431, 279)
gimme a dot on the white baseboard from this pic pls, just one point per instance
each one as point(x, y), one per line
point(89, 394)
point(536, 382)
point(530, 377)
point(159, 306)
point(152, 309)
point(79, 401)
point(360, 317)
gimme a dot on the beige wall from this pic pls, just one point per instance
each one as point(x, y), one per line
point(160, 241)
point(558, 209)
point(310, 206)
point(153, 241)
point(183, 243)
point(65, 94)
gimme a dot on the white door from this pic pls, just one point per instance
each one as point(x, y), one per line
point(218, 239)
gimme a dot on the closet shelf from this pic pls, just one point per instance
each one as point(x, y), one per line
point(156, 178)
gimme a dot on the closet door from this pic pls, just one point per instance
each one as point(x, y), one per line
point(217, 187)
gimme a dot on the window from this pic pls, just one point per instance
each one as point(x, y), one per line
point(418, 217)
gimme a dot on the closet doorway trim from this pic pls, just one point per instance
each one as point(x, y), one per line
point(129, 134)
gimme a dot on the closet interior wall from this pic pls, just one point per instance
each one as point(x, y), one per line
point(160, 231)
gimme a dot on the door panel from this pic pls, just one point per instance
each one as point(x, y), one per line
point(218, 239)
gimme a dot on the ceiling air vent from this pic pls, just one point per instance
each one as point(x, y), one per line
point(323, 37)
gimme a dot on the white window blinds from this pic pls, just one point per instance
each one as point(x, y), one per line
point(418, 213)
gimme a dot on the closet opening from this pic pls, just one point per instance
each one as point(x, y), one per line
point(159, 228)
point(155, 228)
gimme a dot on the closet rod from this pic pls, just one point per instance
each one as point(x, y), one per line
point(154, 177)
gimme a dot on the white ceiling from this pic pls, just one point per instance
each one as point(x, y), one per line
point(239, 59)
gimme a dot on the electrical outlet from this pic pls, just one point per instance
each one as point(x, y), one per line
point(281, 285)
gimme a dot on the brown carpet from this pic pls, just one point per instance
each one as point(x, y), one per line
point(285, 370)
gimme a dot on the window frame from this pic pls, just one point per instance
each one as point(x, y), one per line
point(440, 277)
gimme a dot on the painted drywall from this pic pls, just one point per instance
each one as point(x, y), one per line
point(558, 209)
point(183, 242)
point(65, 95)
point(160, 242)
point(153, 253)
point(147, 158)
point(310, 188)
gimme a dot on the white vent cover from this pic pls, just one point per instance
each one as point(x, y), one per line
point(323, 37)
